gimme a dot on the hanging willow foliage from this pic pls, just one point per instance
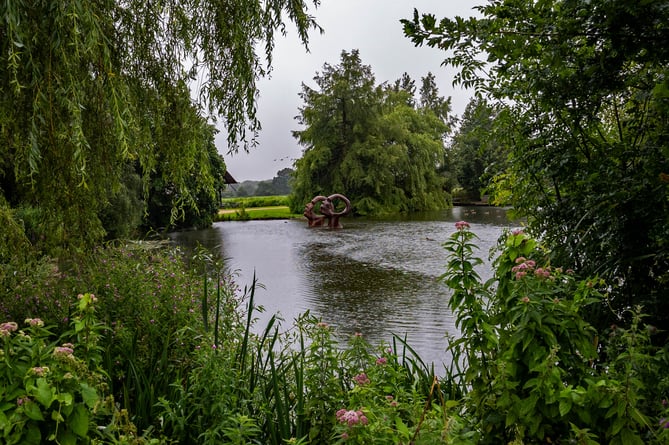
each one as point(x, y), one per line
point(86, 87)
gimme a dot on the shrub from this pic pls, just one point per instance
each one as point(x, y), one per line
point(533, 368)
point(54, 392)
point(150, 302)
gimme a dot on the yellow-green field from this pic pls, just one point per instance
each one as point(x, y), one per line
point(267, 212)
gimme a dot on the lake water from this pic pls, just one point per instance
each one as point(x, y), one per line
point(377, 277)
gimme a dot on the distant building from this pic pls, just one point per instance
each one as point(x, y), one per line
point(229, 179)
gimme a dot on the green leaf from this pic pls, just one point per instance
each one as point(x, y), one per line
point(32, 411)
point(67, 438)
point(618, 424)
point(4, 422)
point(79, 421)
point(65, 398)
point(565, 406)
point(45, 394)
point(629, 437)
point(32, 435)
point(89, 394)
point(402, 428)
point(56, 416)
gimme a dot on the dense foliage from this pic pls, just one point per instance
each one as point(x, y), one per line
point(87, 88)
point(585, 87)
point(476, 156)
point(370, 142)
point(533, 368)
point(165, 352)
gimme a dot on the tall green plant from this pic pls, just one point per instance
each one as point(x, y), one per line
point(54, 392)
point(534, 367)
point(584, 85)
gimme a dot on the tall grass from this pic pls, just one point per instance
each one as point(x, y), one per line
point(186, 363)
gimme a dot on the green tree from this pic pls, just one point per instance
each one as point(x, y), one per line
point(587, 83)
point(86, 87)
point(431, 100)
point(123, 214)
point(367, 142)
point(206, 178)
point(407, 84)
point(281, 182)
point(477, 155)
point(265, 188)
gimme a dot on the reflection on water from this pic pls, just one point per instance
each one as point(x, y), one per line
point(378, 277)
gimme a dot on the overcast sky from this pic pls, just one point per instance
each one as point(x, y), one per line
point(372, 27)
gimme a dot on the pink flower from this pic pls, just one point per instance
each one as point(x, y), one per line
point(525, 299)
point(34, 322)
point(381, 361)
point(9, 326)
point(462, 225)
point(361, 379)
point(63, 351)
point(39, 371)
point(351, 417)
point(517, 232)
point(542, 273)
point(521, 266)
point(322, 325)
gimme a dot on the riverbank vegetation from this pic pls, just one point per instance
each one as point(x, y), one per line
point(255, 207)
point(164, 352)
point(246, 214)
point(161, 351)
point(133, 342)
point(254, 201)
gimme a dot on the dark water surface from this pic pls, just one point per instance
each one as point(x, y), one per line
point(376, 277)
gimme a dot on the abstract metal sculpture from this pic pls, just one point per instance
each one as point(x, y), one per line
point(327, 211)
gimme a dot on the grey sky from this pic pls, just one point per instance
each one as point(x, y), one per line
point(372, 27)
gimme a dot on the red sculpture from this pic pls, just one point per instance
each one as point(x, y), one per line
point(327, 211)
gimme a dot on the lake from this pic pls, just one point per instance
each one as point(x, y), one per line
point(378, 277)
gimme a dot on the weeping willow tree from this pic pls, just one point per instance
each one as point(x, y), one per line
point(88, 87)
point(369, 142)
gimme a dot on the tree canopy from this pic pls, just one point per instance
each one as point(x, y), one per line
point(88, 87)
point(586, 86)
point(369, 142)
point(475, 153)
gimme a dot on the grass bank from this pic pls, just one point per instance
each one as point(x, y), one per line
point(255, 207)
point(245, 214)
